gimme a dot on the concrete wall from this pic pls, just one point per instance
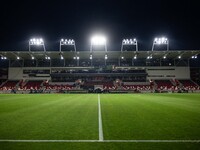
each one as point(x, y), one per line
point(15, 73)
point(168, 72)
point(153, 73)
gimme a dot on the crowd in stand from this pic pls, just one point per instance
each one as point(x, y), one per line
point(117, 85)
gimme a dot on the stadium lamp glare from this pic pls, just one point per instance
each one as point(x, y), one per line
point(91, 57)
point(47, 57)
point(149, 57)
point(98, 40)
point(129, 41)
point(67, 42)
point(3, 58)
point(36, 41)
point(194, 57)
point(161, 41)
point(106, 57)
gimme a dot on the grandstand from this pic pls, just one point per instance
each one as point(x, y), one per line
point(126, 70)
point(122, 120)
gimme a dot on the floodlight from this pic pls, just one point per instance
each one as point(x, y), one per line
point(194, 57)
point(47, 57)
point(67, 42)
point(122, 57)
point(98, 40)
point(3, 58)
point(160, 41)
point(106, 57)
point(164, 57)
point(18, 58)
point(36, 42)
point(135, 57)
point(32, 58)
point(129, 42)
point(179, 57)
point(91, 57)
point(76, 57)
point(149, 57)
point(61, 57)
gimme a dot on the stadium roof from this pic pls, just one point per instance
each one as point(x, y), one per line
point(185, 54)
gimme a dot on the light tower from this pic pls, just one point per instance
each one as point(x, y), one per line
point(67, 42)
point(161, 41)
point(129, 42)
point(37, 42)
point(98, 41)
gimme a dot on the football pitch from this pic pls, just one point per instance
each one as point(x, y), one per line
point(99, 121)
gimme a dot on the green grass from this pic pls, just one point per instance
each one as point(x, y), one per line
point(124, 117)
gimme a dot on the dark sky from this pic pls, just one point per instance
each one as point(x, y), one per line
point(80, 19)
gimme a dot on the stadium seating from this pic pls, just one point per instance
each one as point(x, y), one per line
point(161, 84)
point(9, 85)
point(33, 85)
point(187, 83)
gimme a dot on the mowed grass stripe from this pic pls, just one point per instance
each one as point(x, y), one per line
point(49, 117)
point(151, 116)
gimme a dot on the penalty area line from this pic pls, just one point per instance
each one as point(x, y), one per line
point(103, 141)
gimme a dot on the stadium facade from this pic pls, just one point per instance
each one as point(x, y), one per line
point(99, 70)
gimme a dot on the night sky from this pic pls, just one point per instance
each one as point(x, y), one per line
point(80, 19)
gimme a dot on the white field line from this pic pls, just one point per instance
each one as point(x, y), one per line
point(103, 141)
point(100, 120)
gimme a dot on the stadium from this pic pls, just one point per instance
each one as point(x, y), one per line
point(146, 99)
